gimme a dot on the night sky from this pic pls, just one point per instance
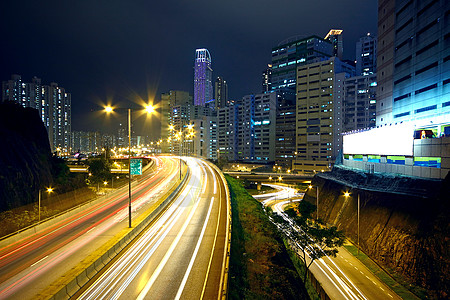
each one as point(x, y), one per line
point(120, 51)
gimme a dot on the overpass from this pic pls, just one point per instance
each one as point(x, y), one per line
point(271, 177)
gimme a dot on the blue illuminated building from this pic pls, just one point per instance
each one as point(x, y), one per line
point(203, 89)
point(293, 52)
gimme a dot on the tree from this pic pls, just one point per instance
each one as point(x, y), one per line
point(99, 170)
point(311, 238)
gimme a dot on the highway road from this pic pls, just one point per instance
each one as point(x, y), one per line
point(343, 276)
point(183, 255)
point(29, 266)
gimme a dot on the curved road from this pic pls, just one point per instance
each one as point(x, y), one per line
point(29, 266)
point(183, 255)
point(343, 276)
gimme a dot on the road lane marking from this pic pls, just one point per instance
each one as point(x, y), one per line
point(39, 261)
point(215, 238)
point(194, 255)
point(169, 252)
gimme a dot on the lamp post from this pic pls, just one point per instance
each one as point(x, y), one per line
point(317, 199)
point(48, 190)
point(347, 194)
point(149, 109)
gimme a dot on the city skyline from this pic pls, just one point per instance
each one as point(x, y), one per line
point(122, 51)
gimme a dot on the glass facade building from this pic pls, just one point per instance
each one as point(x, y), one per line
point(203, 89)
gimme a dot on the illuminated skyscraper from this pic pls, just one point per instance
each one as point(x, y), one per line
point(203, 89)
point(335, 37)
point(221, 92)
point(413, 70)
point(366, 55)
point(294, 52)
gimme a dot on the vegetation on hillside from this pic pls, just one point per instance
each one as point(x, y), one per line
point(311, 238)
point(260, 267)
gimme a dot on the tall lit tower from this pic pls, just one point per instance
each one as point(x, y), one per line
point(203, 89)
point(221, 92)
point(335, 37)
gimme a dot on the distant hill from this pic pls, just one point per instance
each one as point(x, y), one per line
point(25, 156)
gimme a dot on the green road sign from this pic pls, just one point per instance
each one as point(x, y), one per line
point(136, 166)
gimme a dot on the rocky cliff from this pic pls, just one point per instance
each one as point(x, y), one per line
point(403, 221)
point(25, 156)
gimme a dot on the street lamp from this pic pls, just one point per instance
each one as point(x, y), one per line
point(48, 190)
point(317, 199)
point(149, 109)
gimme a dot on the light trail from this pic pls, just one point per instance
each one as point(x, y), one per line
point(338, 278)
point(181, 240)
point(67, 248)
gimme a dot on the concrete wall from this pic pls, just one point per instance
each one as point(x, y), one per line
point(438, 147)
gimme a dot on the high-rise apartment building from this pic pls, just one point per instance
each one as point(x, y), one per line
point(366, 55)
point(52, 102)
point(182, 117)
point(204, 137)
point(294, 52)
point(319, 114)
point(203, 90)
point(336, 39)
point(220, 92)
point(359, 105)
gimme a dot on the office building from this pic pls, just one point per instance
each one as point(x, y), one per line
point(52, 102)
point(294, 52)
point(413, 108)
point(220, 93)
point(359, 104)
point(320, 90)
point(264, 127)
point(227, 125)
point(413, 61)
point(285, 131)
point(203, 90)
point(366, 55)
point(267, 79)
point(335, 37)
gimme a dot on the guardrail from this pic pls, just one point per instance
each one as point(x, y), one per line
point(80, 280)
point(32, 229)
point(226, 260)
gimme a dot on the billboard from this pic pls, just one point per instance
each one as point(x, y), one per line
point(386, 140)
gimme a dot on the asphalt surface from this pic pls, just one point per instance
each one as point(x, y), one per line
point(182, 254)
point(29, 266)
point(343, 276)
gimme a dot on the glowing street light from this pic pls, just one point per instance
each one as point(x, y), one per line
point(48, 190)
point(149, 109)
